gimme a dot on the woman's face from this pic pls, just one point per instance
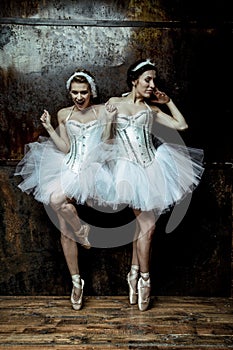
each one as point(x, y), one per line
point(81, 95)
point(145, 85)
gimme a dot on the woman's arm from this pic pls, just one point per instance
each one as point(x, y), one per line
point(109, 120)
point(175, 120)
point(61, 140)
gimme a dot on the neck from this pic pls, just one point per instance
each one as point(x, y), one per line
point(134, 98)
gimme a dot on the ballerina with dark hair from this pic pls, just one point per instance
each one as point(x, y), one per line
point(149, 179)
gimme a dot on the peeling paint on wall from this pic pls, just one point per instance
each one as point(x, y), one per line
point(31, 49)
point(36, 60)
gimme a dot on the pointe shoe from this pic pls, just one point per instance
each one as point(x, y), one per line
point(133, 295)
point(82, 236)
point(144, 289)
point(77, 304)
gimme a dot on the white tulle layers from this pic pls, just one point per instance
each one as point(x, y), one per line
point(109, 177)
point(44, 171)
point(174, 173)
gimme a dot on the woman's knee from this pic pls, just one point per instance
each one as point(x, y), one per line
point(55, 199)
point(146, 221)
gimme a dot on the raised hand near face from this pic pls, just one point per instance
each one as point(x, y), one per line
point(160, 97)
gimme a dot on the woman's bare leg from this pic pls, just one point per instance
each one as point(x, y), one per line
point(61, 205)
point(132, 276)
point(69, 247)
point(70, 250)
point(134, 260)
point(146, 222)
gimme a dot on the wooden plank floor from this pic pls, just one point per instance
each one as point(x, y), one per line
point(111, 323)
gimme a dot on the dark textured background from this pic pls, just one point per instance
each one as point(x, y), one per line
point(41, 43)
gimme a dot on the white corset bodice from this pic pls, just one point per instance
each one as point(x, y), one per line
point(83, 140)
point(134, 137)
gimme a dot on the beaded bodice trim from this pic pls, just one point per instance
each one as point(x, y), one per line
point(84, 137)
point(134, 135)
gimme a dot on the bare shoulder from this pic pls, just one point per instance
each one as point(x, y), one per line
point(99, 109)
point(116, 99)
point(63, 113)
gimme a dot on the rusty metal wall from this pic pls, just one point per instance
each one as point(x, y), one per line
point(41, 43)
point(195, 259)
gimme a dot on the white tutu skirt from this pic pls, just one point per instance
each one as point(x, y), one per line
point(175, 172)
point(110, 179)
point(44, 171)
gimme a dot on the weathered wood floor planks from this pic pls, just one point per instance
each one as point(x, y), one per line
point(111, 323)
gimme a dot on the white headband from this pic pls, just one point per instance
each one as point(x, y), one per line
point(89, 79)
point(142, 64)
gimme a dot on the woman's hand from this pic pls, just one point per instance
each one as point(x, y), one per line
point(111, 111)
point(110, 123)
point(46, 120)
point(160, 97)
